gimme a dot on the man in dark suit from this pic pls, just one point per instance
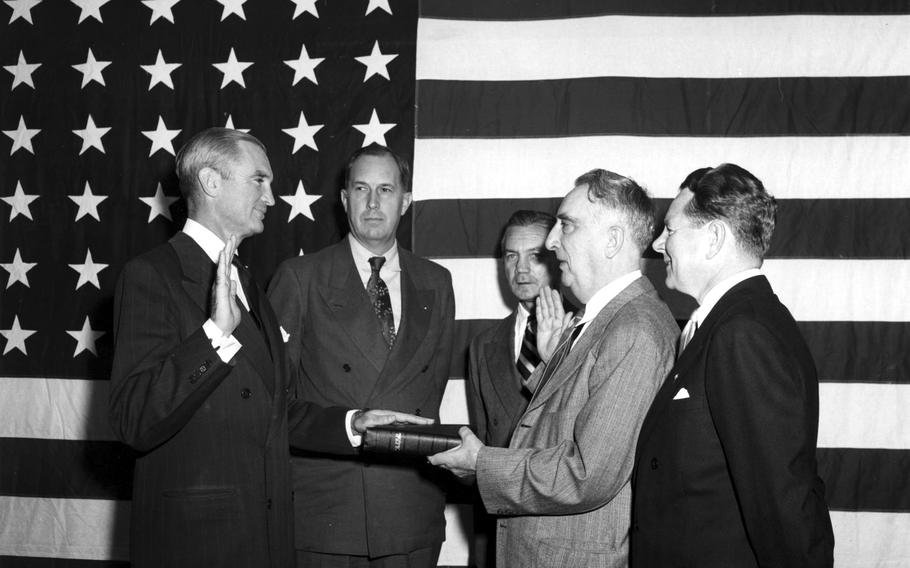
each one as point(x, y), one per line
point(200, 381)
point(502, 357)
point(562, 487)
point(725, 466)
point(369, 324)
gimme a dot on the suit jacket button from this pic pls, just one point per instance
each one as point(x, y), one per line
point(202, 368)
point(417, 412)
point(654, 463)
point(425, 367)
point(495, 422)
point(246, 393)
point(346, 367)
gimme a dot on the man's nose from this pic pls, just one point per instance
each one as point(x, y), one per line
point(552, 241)
point(373, 199)
point(660, 241)
point(268, 196)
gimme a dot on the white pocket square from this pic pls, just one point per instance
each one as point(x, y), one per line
point(683, 393)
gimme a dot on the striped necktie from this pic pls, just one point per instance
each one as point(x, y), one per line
point(528, 358)
point(562, 351)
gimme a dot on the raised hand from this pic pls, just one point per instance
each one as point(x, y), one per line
point(552, 320)
point(225, 311)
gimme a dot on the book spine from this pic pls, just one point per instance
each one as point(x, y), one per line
point(411, 443)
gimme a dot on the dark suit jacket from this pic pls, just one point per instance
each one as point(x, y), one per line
point(211, 486)
point(495, 385)
point(365, 506)
point(728, 476)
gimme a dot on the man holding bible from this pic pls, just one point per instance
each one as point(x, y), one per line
point(562, 487)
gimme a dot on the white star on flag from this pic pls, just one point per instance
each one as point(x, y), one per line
point(301, 6)
point(160, 204)
point(160, 71)
point(161, 137)
point(161, 9)
point(378, 5)
point(85, 338)
point(22, 9)
point(90, 9)
point(22, 136)
point(376, 62)
point(88, 271)
point(233, 70)
point(18, 270)
point(300, 203)
point(16, 336)
point(91, 69)
point(88, 203)
point(232, 7)
point(374, 131)
point(230, 124)
point(91, 135)
point(303, 134)
point(19, 201)
point(304, 66)
point(22, 71)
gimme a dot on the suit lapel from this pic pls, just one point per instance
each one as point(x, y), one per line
point(498, 355)
point(198, 276)
point(347, 299)
point(416, 314)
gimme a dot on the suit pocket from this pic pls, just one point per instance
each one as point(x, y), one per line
point(568, 553)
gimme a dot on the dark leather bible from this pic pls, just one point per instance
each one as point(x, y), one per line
point(411, 439)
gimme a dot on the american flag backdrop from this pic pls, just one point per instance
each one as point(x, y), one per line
point(512, 100)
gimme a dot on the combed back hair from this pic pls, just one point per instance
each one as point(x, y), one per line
point(622, 194)
point(379, 151)
point(526, 218)
point(212, 148)
point(731, 193)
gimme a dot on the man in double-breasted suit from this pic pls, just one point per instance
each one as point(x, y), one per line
point(725, 470)
point(562, 486)
point(369, 324)
point(502, 357)
point(200, 381)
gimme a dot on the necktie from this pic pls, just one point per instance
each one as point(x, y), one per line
point(686, 335)
point(382, 305)
point(528, 358)
point(250, 290)
point(562, 351)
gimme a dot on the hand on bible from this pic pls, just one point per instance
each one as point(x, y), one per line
point(460, 460)
point(364, 419)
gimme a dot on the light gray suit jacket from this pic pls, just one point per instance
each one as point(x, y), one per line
point(562, 487)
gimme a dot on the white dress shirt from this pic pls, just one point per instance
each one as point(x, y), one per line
point(521, 321)
point(390, 273)
point(604, 296)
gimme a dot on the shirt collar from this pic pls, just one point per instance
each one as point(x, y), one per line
point(717, 292)
point(209, 241)
point(362, 255)
point(606, 294)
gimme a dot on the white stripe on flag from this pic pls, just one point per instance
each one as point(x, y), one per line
point(871, 540)
point(812, 289)
point(825, 167)
point(844, 410)
point(50, 408)
point(91, 529)
point(623, 46)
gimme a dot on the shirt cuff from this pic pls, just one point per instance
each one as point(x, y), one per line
point(225, 345)
point(355, 439)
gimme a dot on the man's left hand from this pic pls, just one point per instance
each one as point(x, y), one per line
point(460, 460)
point(370, 418)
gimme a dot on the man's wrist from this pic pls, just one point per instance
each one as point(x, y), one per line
point(357, 414)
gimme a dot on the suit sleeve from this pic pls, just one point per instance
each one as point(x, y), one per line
point(588, 470)
point(162, 373)
point(757, 392)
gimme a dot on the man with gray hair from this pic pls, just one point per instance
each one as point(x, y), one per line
point(725, 469)
point(562, 486)
point(200, 380)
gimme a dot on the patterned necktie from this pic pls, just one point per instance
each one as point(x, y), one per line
point(562, 351)
point(528, 358)
point(382, 305)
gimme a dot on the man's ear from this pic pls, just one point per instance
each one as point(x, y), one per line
point(615, 236)
point(344, 199)
point(717, 235)
point(405, 201)
point(210, 181)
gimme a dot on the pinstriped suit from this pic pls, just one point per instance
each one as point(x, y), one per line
point(562, 487)
point(211, 487)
